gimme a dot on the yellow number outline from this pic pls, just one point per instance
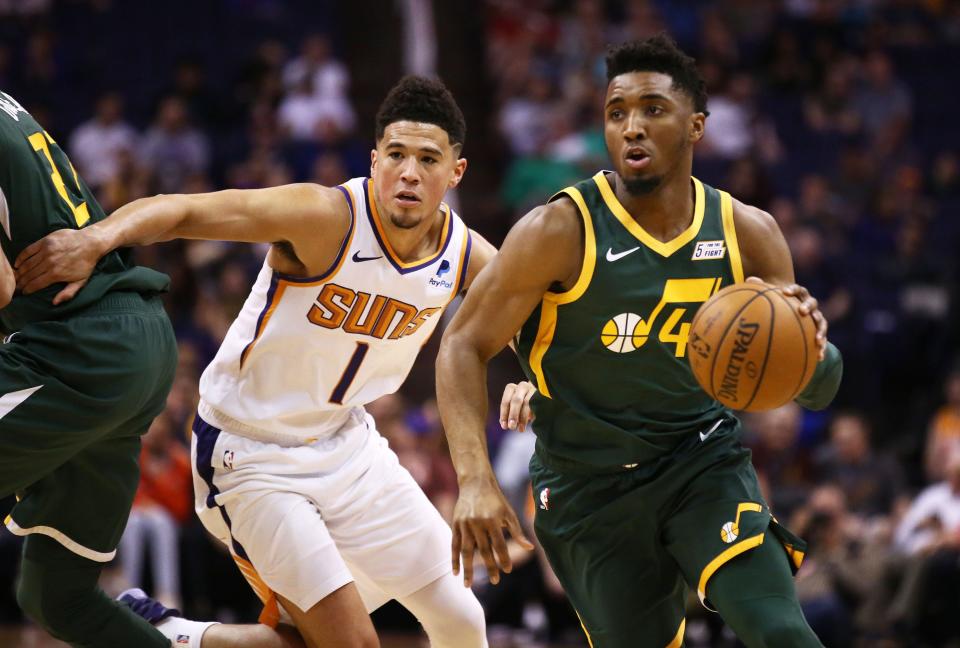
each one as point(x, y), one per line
point(676, 291)
point(39, 142)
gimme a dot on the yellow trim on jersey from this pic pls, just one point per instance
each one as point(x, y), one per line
point(585, 631)
point(447, 229)
point(678, 640)
point(589, 253)
point(730, 234)
point(732, 552)
point(796, 556)
point(548, 307)
point(660, 247)
point(548, 324)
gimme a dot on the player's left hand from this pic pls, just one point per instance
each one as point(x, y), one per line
point(808, 306)
point(515, 412)
point(67, 255)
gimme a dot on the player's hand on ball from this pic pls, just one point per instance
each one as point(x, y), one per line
point(66, 255)
point(479, 518)
point(808, 306)
point(515, 412)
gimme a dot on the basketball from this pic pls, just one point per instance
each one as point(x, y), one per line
point(751, 349)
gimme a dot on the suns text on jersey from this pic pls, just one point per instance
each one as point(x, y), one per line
point(364, 314)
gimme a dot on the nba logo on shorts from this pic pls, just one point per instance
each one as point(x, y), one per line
point(183, 640)
point(545, 499)
point(228, 459)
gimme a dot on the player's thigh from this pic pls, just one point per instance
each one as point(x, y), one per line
point(67, 385)
point(389, 533)
point(626, 589)
point(338, 621)
point(84, 503)
point(723, 516)
point(276, 534)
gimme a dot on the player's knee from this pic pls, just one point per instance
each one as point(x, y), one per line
point(48, 609)
point(460, 626)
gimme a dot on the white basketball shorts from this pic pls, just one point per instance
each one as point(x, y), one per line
point(304, 521)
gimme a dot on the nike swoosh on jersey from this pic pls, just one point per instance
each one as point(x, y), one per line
point(619, 255)
point(704, 435)
point(359, 259)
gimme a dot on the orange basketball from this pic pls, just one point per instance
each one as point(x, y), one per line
point(750, 348)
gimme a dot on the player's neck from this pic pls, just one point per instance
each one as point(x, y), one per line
point(411, 244)
point(666, 211)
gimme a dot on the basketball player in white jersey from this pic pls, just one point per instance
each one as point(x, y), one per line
point(289, 470)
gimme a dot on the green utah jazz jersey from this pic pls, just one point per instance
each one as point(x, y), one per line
point(40, 192)
point(608, 356)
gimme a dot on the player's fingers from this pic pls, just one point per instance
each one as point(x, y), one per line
point(513, 524)
point(526, 412)
point(516, 407)
point(467, 553)
point(482, 534)
point(499, 545)
point(505, 404)
point(37, 279)
point(754, 280)
point(455, 548)
point(28, 253)
point(808, 305)
point(69, 292)
point(30, 265)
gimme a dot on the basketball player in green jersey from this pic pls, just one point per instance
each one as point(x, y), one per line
point(641, 482)
point(84, 369)
point(80, 382)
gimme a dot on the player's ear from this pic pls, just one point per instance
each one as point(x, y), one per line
point(373, 160)
point(698, 122)
point(458, 170)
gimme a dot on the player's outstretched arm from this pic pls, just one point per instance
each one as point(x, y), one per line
point(766, 256)
point(292, 213)
point(543, 249)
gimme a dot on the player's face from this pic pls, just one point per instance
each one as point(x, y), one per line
point(650, 128)
point(412, 168)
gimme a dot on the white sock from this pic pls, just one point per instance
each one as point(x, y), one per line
point(183, 633)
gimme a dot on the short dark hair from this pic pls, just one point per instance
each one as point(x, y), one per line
point(419, 99)
point(660, 54)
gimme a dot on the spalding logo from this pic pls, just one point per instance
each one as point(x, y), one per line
point(746, 332)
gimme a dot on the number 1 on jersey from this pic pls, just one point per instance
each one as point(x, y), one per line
point(349, 373)
point(39, 142)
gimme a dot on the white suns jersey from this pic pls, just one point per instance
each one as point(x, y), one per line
point(304, 353)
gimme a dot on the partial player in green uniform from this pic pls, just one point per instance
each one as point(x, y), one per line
point(80, 382)
point(643, 488)
point(84, 369)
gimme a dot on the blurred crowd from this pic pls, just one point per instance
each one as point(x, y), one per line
point(830, 114)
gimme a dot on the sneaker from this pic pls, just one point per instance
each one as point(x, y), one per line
point(144, 606)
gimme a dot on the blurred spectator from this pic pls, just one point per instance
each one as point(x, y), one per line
point(883, 102)
point(933, 520)
point(524, 119)
point(831, 109)
point(943, 435)
point(325, 80)
point(96, 146)
point(172, 148)
point(163, 502)
point(927, 606)
point(870, 482)
point(785, 466)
